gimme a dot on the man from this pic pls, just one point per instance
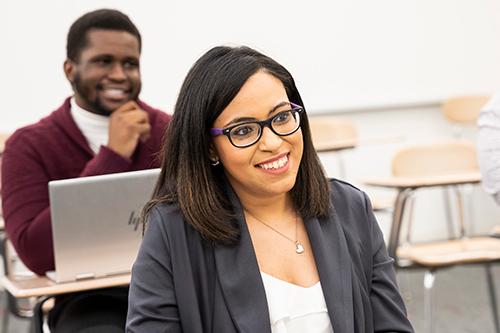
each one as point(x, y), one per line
point(103, 128)
point(488, 147)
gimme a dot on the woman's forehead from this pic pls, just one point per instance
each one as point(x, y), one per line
point(259, 96)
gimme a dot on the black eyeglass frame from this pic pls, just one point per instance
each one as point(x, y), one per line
point(263, 123)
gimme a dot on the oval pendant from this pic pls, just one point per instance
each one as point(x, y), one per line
point(299, 249)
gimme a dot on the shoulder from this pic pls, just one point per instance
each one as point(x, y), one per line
point(167, 218)
point(343, 193)
point(34, 135)
point(351, 208)
point(166, 224)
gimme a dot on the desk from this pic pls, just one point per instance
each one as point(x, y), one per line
point(37, 286)
point(417, 182)
point(405, 186)
point(381, 203)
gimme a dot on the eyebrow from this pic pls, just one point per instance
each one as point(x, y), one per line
point(245, 119)
point(112, 56)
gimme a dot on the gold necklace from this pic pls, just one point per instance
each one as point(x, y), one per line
point(299, 249)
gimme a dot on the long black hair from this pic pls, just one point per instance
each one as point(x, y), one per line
point(187, 177)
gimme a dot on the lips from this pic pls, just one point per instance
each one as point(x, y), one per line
point(274, 164)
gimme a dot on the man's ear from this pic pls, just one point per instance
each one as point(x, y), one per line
point(69, 70)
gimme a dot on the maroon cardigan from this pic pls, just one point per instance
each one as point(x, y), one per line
point(54, 148)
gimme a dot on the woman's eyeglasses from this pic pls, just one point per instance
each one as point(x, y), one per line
point(247, 133)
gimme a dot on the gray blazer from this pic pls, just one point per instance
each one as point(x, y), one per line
point(181, 283)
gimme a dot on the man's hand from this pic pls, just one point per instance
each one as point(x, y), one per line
point(127, 125)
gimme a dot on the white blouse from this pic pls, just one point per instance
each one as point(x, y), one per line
point(296, 309)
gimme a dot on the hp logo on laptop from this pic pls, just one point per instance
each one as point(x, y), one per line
point(134, 220)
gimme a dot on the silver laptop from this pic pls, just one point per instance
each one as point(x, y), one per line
point(96, 223)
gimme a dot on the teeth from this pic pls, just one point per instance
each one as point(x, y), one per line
point(114, 93)
point(276, 164)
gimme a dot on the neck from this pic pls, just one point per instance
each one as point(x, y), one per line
point(275, 208)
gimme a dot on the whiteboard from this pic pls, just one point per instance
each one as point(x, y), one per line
point(344, 54)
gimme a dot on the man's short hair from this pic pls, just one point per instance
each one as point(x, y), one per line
point(107, 19)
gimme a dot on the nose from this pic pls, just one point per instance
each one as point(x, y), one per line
point(117, 73)
point(269, 140)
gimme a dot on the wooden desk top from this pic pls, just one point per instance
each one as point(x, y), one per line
point(381, 203)
point(452, 252)
point(35, 286)
point(416, 182)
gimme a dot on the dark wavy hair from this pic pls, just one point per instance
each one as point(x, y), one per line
point(187, 177)
point(106, 19)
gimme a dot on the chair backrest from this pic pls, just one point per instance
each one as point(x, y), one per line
point(328, 130)
point(3, 138)
point(464, 109)
point(13, 268)
point(436, 159)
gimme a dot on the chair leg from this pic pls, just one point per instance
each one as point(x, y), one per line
point(6, 315)
point(448, 213)
point(429, 278)
point(493, 298)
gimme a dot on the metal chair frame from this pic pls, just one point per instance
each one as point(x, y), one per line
point(404, 200)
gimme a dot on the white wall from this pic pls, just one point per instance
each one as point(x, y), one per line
point(343, 53)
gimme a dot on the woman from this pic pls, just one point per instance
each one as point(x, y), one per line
point(245, 233)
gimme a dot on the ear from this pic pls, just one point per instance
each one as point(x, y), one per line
point(69, 70)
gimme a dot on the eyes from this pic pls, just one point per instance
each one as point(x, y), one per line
point(245, 130)
point(248, 132)
point(108, 61)
point(282, 117)
point(277, 122)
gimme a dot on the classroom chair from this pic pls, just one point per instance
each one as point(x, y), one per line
point(19, 308)
point(447, 161)
point(34, 308)
point(331, 134)
point(463, 110)
point(3, 138)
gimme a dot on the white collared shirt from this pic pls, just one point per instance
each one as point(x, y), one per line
point(93, 126)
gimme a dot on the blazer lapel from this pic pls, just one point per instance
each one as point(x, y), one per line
point(334, 267)
point(240, 280)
